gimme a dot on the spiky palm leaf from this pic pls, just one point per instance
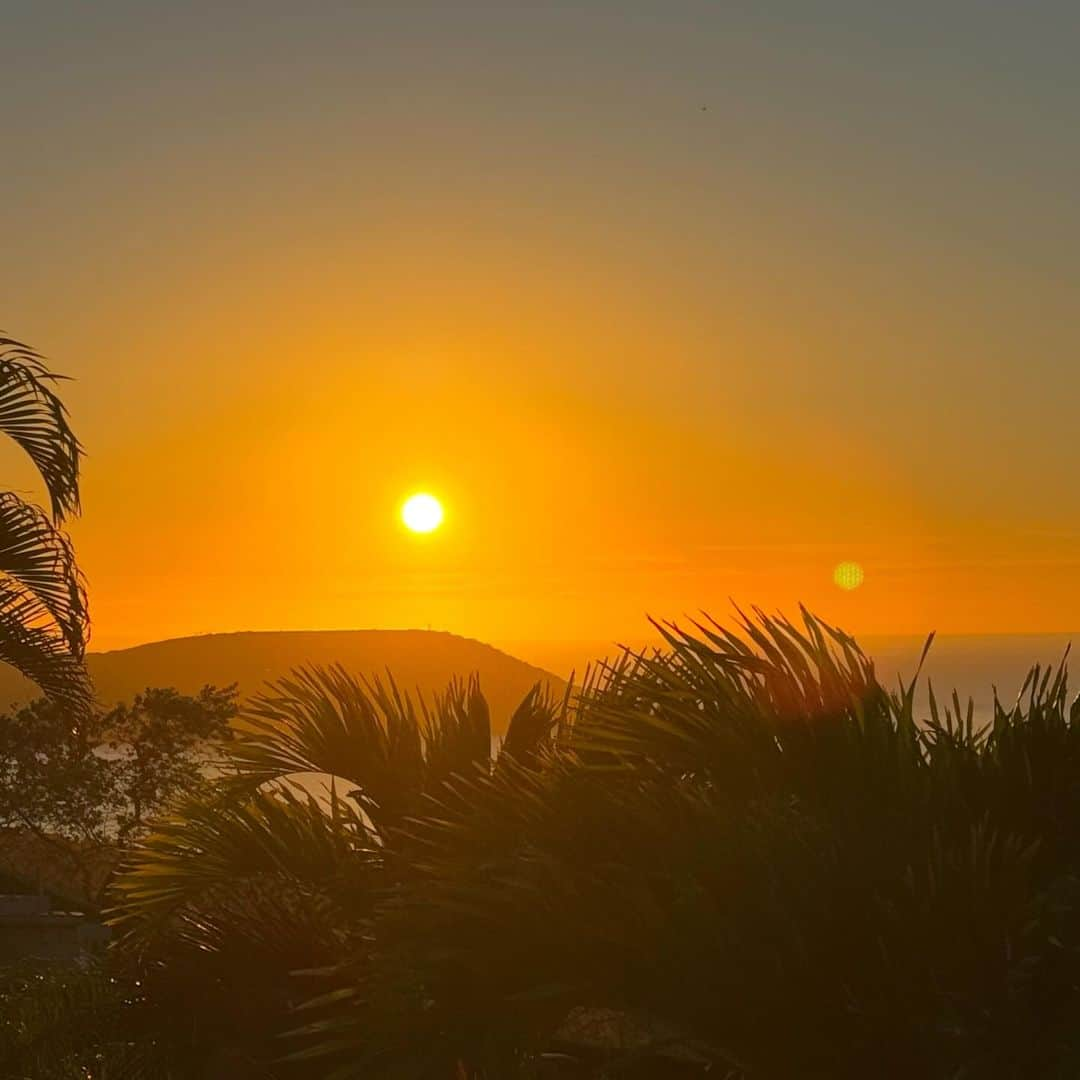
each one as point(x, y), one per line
point(43, 608)
point(230, 897)
point(261, 879)
point(256, 825)
point(537, 725)
point(213, 852)
point(745, 827)
point(387, 747)
point(324, 720)
point(742, 832)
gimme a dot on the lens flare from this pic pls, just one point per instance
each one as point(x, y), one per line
point(848, 576)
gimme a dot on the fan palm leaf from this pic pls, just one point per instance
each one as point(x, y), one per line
point(208, 849)
point(324, 720)
point(258, 887)
point(740, 827)
point(388, 748)
point(256, 825)
point(229, 900)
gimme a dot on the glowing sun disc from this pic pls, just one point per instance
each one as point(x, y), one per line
point(422, 513)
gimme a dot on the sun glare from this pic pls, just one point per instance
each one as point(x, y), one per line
point(422, 513)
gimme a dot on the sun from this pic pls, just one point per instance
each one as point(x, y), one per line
point(422, 513)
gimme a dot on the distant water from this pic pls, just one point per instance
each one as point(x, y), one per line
point(973, 664)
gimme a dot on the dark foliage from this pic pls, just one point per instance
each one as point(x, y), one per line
point(43, 609)
point(82, 784)
point(738, 856)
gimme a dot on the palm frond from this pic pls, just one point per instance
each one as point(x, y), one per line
point(204, 861)
point(457, 732)
point(740, 826)
point(725, 703)
point(40, 557)
point(388, 746)
point(33, 415)
point(32, 643)
point(324, 720)
point(534, 724)
point(226, 909)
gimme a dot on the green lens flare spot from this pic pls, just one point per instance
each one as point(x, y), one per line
point(848, 576)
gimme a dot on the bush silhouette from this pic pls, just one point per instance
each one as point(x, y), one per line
point(739, 854)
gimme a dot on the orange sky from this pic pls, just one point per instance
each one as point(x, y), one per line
point(668, 304)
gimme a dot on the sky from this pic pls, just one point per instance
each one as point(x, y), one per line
point(669, 303)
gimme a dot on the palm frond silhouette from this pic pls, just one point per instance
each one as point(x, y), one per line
point(44, 615)
point(739, 826)
point(248, 899)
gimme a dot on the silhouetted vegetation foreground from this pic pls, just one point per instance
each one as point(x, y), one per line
point(75, 791)
point(741, 856)
point(44, 617)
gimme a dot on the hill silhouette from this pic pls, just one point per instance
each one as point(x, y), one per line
point(418, 659)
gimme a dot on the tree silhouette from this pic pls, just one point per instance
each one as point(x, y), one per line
point(43, 608)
